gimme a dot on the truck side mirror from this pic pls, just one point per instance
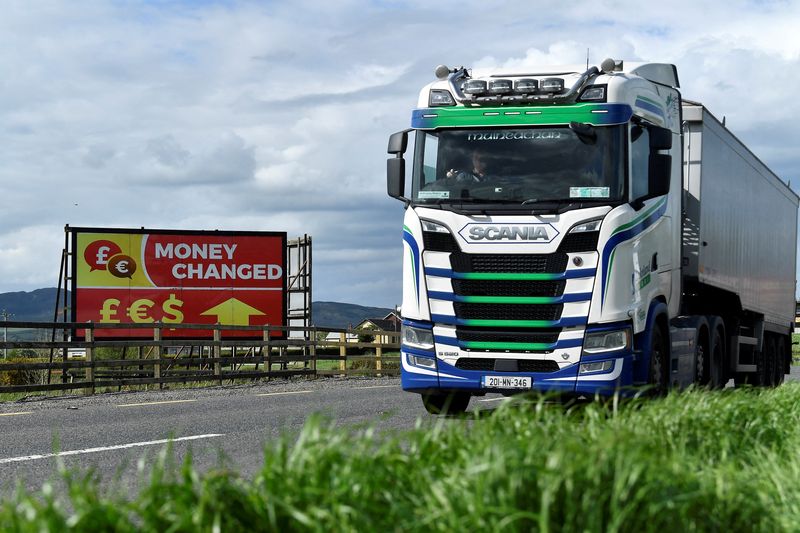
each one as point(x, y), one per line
point(660, 138)
point(396, 177)
point(659, 174)
point(398, 143)
point(396, 166)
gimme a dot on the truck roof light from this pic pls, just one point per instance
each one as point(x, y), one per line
point(526, 86)
point(441, 97)
point(552, 85)
point(593, 93)
point(500, 86)
point(474, 87)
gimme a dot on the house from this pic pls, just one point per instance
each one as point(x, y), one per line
point(390, 322)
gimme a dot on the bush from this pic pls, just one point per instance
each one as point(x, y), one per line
point(22, 377)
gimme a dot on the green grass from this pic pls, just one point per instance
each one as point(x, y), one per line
point(696, 461)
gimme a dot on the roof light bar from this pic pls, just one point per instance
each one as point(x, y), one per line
point(474, 87)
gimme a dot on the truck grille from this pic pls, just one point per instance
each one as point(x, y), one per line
point(544, 336)
point(524, 365)
point(510, 263)
point(439, 242)
point(508, 312)
point(579, 242)
point(478, 287)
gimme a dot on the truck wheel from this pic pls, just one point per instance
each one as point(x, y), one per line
point(446, 404)
point(780, 367)
point(658, 362)
point(701, 363)
point(770, 362)
point(716, 360)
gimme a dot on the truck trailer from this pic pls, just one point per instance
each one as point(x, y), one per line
point(586, 232)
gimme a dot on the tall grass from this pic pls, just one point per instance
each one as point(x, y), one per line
point(695, 461)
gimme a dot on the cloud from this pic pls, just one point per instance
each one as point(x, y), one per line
point(243, 115)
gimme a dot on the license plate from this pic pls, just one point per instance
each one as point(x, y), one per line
point(506, 382)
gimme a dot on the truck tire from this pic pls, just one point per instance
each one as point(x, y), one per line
point(717, 353)
point(701, 363)
point(770, 362)
point(717, 357)
point(780, 367)
point(659, 361)
point(453, 403)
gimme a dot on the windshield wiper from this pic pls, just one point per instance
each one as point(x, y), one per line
point(554, 205)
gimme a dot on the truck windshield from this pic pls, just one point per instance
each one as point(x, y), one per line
point(519, 165)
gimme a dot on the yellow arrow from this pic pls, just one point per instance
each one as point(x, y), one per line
point(233, 313)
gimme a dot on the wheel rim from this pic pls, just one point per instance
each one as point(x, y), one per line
point(700, 367)
point(656, 355)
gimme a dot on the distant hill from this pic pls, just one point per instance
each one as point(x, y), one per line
point(38, 305)
point(34, 306)
point(342, 315)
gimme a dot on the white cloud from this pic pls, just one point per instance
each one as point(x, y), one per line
point(238, 115)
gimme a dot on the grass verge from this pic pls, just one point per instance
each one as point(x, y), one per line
point(695, 461)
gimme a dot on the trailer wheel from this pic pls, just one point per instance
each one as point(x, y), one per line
point(780, 367)
point(718, 355)
point(770, 363)
point(701, 355)
point(658, 362)
point(446, 404)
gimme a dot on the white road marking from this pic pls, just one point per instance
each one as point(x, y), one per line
point(16, 414)
point(153, 403)
point(378, 387)
point(492, 399)
point(281, 393)
point(106, 448)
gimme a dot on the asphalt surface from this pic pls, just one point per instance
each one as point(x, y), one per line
point(116, 435)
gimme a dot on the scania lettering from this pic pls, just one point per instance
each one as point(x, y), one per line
point(586, 232)
point(496, 233)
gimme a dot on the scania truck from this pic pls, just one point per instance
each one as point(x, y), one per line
point(586, 232)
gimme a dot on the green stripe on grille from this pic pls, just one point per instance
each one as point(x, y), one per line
point(509, 276)
point(512, 323)
point(537, 346)
point(509, 299)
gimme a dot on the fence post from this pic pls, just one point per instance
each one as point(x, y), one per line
point(157, 353)
point(218, 354)
point(266, 349)
point(88, 391)
point(314, 350)
point(378, 354)
point(343, 352)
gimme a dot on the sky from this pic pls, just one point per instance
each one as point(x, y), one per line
point(274, 116)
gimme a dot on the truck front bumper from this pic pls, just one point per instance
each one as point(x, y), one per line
point(422, 372)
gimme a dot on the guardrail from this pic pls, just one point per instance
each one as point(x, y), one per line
point(96, 363)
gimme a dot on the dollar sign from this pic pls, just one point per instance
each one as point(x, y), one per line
point(138, 311)
point(172, 309)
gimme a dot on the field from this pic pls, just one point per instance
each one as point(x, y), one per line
point(693, 461)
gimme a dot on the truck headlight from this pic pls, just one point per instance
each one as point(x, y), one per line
point(417, 337)
point(607, 341)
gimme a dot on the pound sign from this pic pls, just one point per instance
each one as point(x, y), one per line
point(109, 311)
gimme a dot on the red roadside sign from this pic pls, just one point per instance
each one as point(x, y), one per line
point(144, 276)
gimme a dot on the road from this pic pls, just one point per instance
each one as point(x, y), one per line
point(112, 433)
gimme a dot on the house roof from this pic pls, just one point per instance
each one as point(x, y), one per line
point(380, 323)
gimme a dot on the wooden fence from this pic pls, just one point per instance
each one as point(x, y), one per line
point(97, 362)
